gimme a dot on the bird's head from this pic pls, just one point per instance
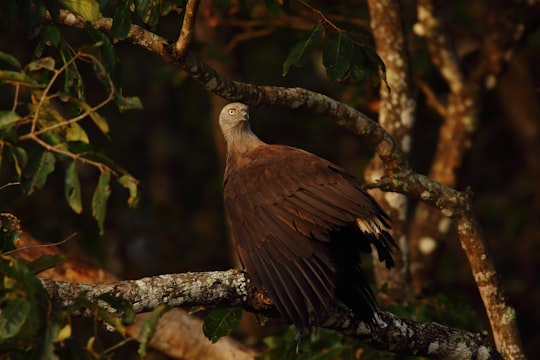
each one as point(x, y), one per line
point(234, 118)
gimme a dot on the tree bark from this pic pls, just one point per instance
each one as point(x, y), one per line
point(232, 288)
point(397, 116)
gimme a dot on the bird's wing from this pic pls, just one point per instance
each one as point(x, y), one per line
point(284, 205)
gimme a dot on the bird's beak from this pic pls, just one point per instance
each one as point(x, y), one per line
point(245, 114)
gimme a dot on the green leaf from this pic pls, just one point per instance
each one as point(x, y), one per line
point(35, 173)
point(122, 305)
point(148, 328)
point(73, 81)
point(100, 122)
point(72, 188)
point(303, 50)
point(51, 35)
point(104, 315)
point(121, 20)
point(18, 78)
point(127, 103)
point(8, 119)
point(221, 322)
point(108, 56)
point(87, 9)
point(130, 183)
point(45, 262)
point(10, 59)
point(46, 63)
point(79, 147)
point(19, 159)
point(74, 132)
point(13, 316)
point(149, 11)
point(337, 56)
point(99, 200)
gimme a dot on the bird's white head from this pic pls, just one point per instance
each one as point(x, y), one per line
point(234, 117)
point(234, 124)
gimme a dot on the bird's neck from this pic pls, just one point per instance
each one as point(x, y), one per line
point(240, 141)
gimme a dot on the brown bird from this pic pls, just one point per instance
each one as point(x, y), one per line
point(299, 223)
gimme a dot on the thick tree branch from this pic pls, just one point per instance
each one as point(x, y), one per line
point(397, 116)
point(399, 177)
point(232, 288)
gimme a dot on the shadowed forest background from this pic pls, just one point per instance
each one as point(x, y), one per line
point(174, 148)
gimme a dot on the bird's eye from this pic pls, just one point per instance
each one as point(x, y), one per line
point(232, 111)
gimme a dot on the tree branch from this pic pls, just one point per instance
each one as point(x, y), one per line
point(232, 288)
point(397, 116)
point(399, 177)
point(429, 229)
point(186, 33)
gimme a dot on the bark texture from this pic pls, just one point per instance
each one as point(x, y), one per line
point(233, 288)
point(396, 115)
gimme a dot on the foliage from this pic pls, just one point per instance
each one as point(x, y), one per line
point(33, 327)
point(345, 56)
point(221, 322)
point(318, 344)
point(46, 123)
point(148, 328)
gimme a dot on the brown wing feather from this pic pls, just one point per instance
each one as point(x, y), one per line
point(284, 205)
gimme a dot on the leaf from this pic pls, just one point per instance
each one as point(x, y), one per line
point(10, 59)
point(121, 20)
point(148, 328)
point(72, 188)
point(221, 322)
point(104, 315)
point(108, 56)
point(74, 132)
point(18, 78)
point(51, 35)
point(302, 50)
point(73, 81)
point(64, 333)
point(120, 304)
point(8, 119)
point(87, 9)
point(79, 147)
point(127, 103)
point(99, 200)
point(130, 183)
point(337, 56)
point(100, 122)
point(149, 11)
point(46, 63)
point(19, 158)
point(45, 262)
point(35, 173)
point(13, 316)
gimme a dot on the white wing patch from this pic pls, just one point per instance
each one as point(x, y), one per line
point(371, 225)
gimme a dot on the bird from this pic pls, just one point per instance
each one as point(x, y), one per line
point(300, 223)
